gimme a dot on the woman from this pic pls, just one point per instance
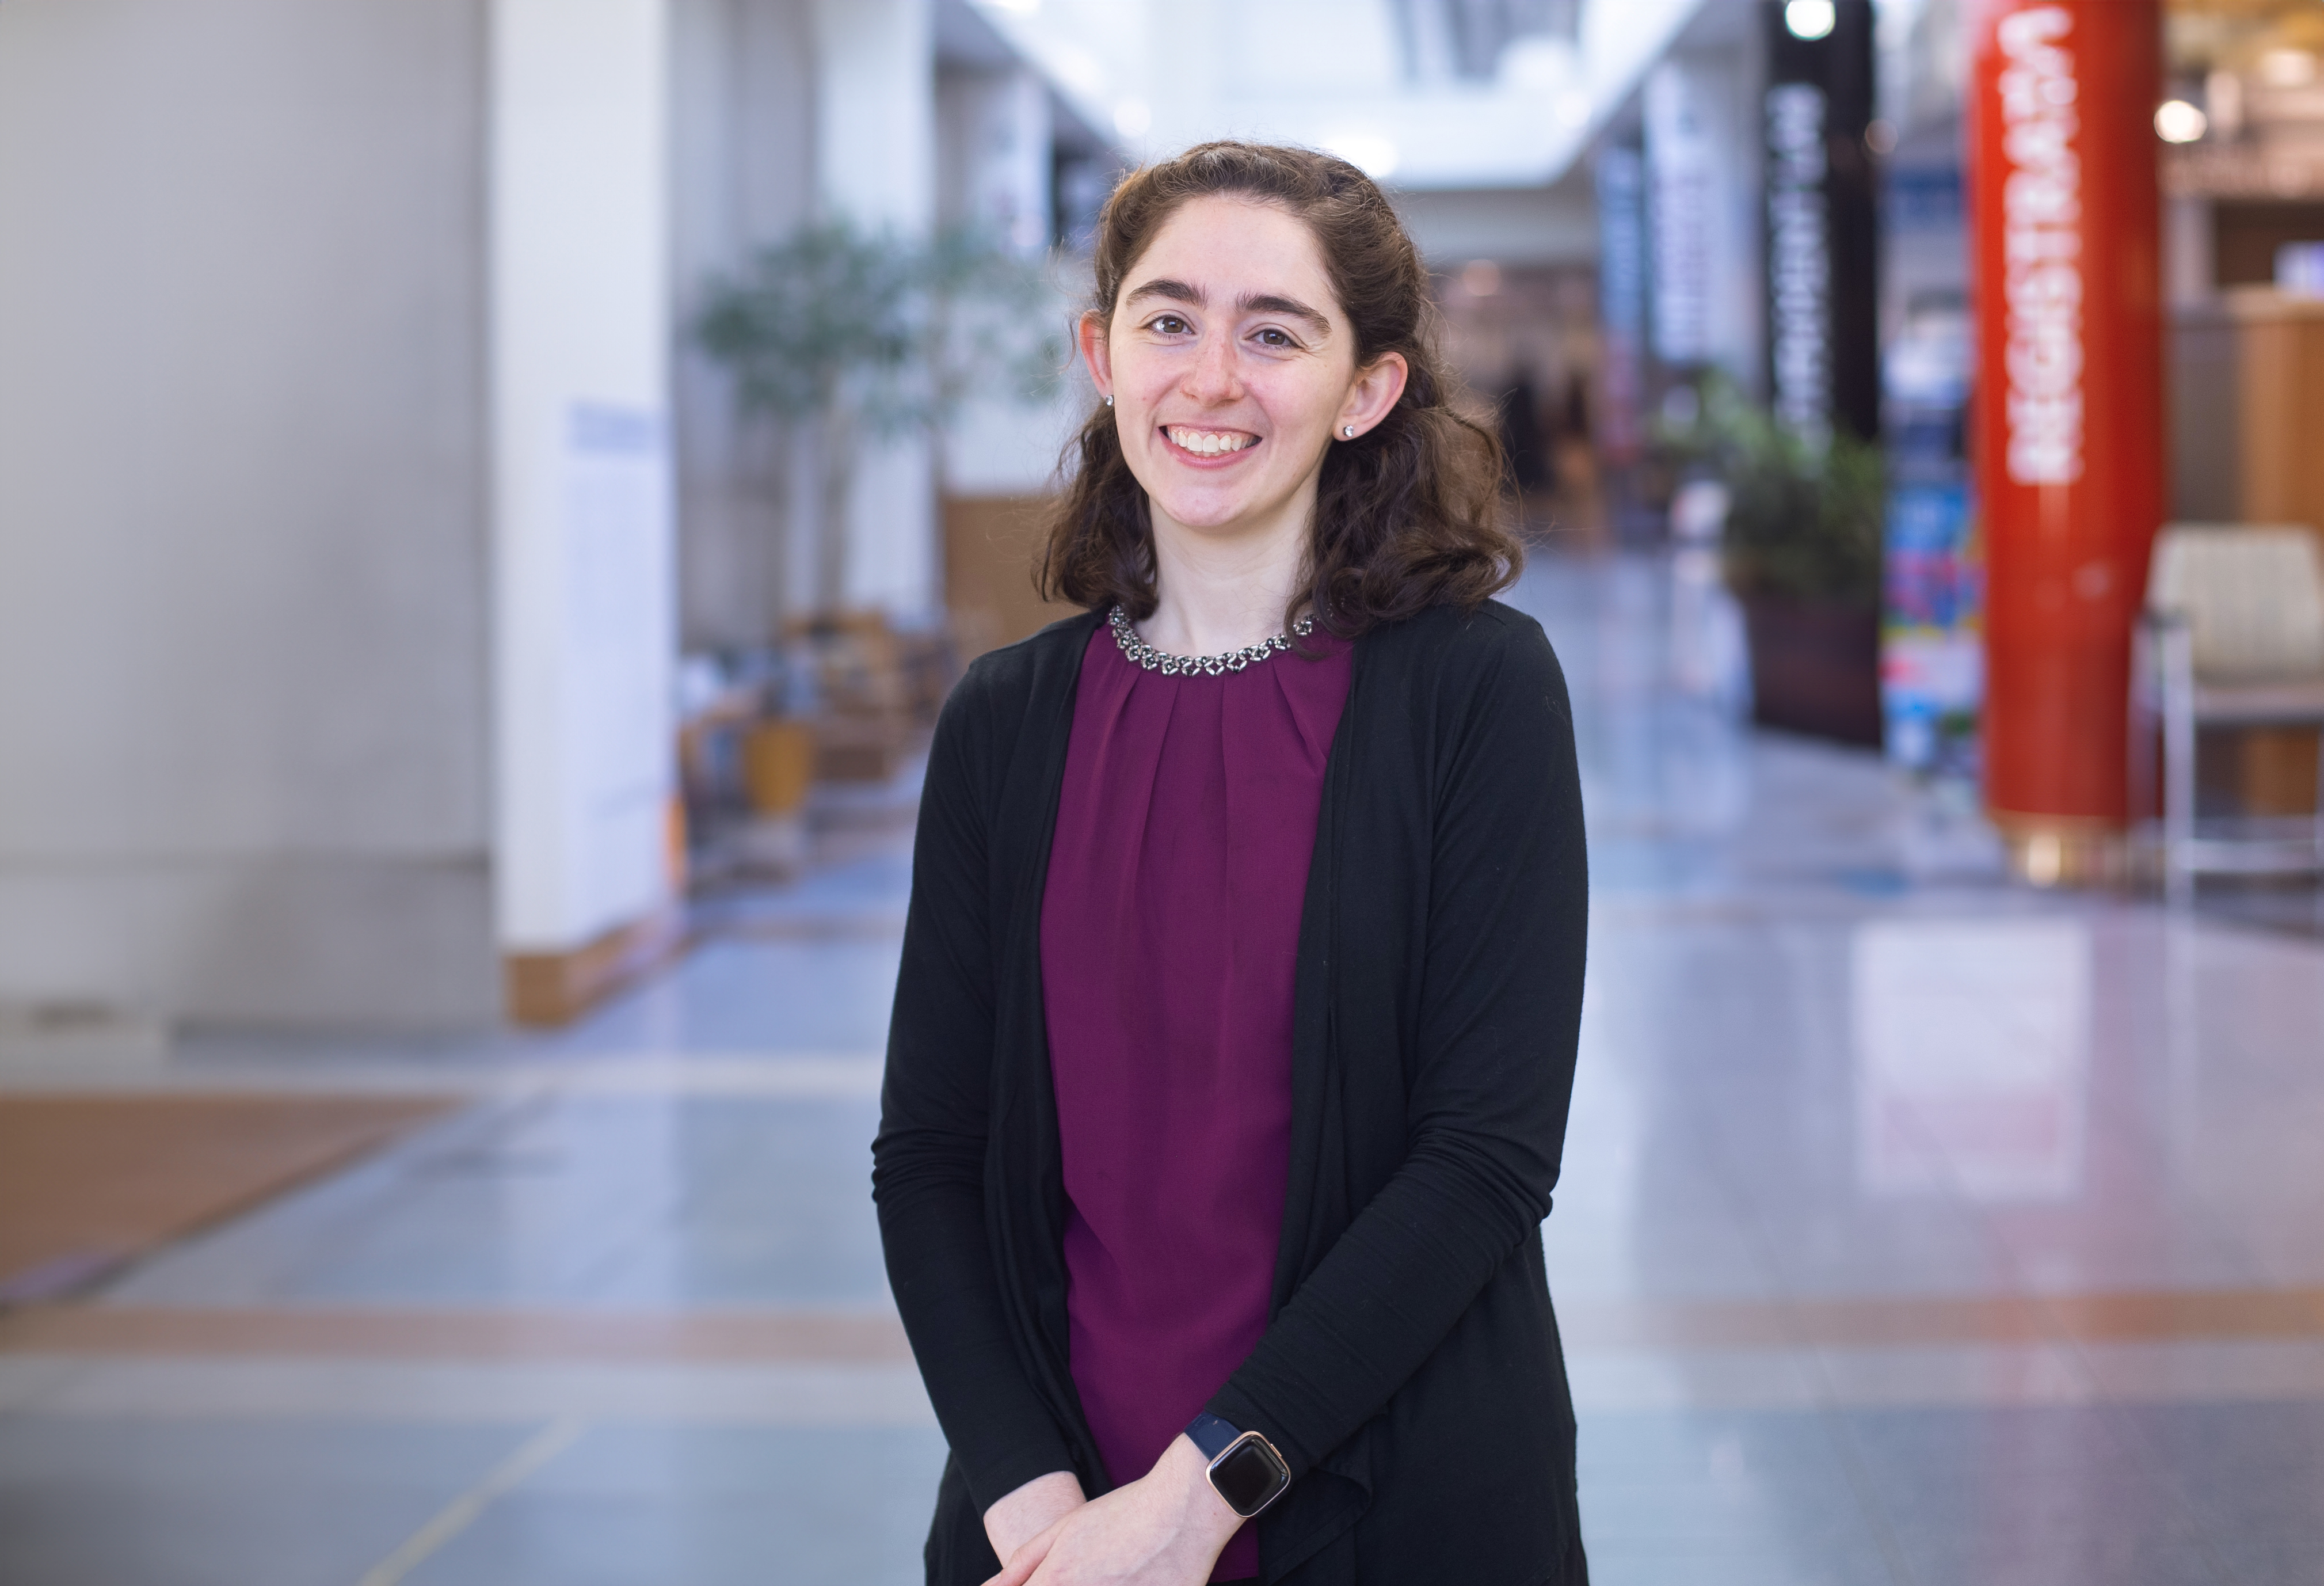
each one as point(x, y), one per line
point(1236, 1024)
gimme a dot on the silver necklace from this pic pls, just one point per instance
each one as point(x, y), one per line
point(1209, 665)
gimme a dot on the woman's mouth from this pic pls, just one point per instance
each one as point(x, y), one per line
point(1207, 444)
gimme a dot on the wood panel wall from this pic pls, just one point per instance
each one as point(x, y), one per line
point(990, 544)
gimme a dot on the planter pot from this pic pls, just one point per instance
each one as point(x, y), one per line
point(779, 766)
point(1815, 667)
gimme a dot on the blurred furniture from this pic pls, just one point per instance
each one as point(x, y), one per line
point(2233, 638)
point(712, 748)
point(844, 697)
point(880, 688)
point(778, 765)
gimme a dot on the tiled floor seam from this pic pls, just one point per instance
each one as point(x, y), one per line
point(1791, 1323)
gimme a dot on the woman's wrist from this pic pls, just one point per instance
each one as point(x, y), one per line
point(1183, 1471)
point(1030, 1510)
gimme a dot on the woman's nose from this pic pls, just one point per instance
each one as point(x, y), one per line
point(1215, 377)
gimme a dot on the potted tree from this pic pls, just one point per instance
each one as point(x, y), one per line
point(1801, 551)
point(868, 336)
point(851, 337)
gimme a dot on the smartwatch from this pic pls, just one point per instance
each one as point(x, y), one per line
point(1245, 1469)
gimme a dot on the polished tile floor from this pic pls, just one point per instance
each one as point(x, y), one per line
point(1915, 1230)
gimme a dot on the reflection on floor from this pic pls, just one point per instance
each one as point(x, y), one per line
point(1915, 1230)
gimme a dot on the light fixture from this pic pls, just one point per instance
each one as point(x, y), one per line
point(1810, 18)
point(1880, 136)
point(2287, 68)
point(2176, 121)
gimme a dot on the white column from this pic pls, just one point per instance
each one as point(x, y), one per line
point(875, 163)
point(993, 156)
point(875, 110)
point(584, 634)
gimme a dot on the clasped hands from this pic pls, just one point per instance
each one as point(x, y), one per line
point(1165, 1529)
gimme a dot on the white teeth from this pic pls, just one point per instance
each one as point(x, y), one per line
point(1209, 443)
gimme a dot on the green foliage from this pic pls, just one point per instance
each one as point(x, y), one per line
point(1804, 518)
point(994, 321)
point(879, 331)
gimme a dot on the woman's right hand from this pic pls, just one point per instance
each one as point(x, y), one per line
point(1024, 1514)
point(1165, 1529)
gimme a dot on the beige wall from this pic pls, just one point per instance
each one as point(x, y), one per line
point(243, 673)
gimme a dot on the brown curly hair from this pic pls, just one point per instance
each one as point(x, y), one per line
point(1411, 514)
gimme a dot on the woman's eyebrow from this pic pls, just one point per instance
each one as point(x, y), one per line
point(1179, 291)
point(1269, 303)
point(1176, 292)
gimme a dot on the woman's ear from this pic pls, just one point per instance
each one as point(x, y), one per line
point(1090, 333)
point(1375, 390)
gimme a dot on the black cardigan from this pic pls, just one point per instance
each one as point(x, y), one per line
point(1410, 1371)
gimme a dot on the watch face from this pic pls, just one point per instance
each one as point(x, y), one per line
point(1248, 1476)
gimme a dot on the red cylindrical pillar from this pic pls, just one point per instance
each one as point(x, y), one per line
point(2069, 425)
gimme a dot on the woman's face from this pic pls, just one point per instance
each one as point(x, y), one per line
point(1232, 366)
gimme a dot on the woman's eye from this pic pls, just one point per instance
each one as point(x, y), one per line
point(1171, 325)
point(1272, 337)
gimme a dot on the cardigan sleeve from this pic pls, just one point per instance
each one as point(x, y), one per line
point(1492, 1071)
point(927, 1175)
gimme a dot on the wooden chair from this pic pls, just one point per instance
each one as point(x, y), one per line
point(2232, 637)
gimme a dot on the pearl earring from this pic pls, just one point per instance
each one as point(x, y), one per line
point(1109, 401)
point(1350, 432)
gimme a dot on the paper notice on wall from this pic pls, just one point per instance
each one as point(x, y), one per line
point(620, 649)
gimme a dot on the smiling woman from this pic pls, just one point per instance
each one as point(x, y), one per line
point(1235, 1029)
point(1265, 307)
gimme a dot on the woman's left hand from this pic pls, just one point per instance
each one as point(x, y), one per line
point(1164, 1529)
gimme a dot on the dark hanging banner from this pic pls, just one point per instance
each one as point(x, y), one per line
point(1823, 231)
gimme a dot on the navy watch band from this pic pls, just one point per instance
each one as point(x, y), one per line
point(1211, 1435)
point(1245, 1470)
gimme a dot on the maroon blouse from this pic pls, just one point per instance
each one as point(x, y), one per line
point(1169, 927)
